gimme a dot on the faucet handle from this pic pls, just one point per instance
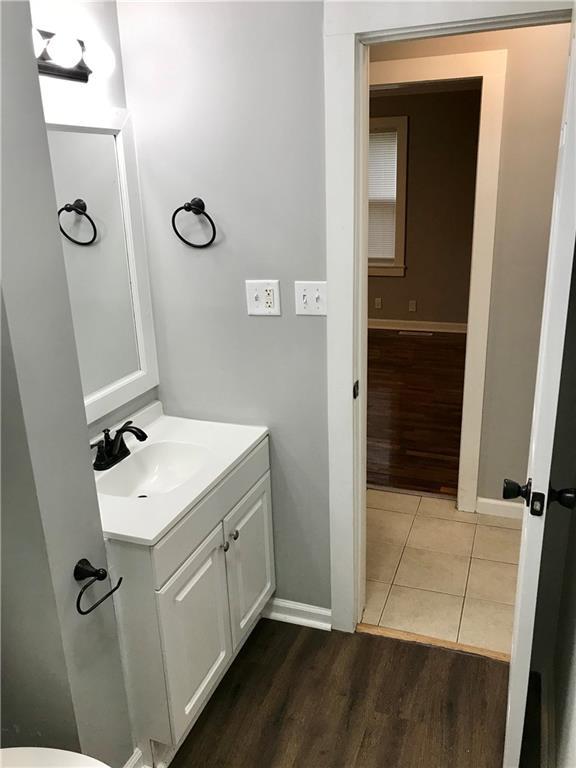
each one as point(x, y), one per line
point(101, 460)
point(106, 440)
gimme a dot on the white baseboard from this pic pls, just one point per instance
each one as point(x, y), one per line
point(136, 760)
point(499, 508)
point(298, 613)
point(427, 326)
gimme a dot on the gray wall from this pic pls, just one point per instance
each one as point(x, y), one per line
point(441, 177)
point(51, 437)
point(535, 78)
point(37, 707)
point(226, 109)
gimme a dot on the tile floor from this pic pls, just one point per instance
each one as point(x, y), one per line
point(435, 571)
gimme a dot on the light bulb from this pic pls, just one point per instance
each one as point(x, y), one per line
point(38, 42)
point(64, 51)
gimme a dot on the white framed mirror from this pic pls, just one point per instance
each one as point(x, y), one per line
point(100, 216)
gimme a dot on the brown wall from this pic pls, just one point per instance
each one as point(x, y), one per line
point(535, 80)
point(442, 147)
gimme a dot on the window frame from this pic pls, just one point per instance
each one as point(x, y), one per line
point(394, 267)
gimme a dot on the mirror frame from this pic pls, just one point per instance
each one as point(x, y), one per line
point(117, 122)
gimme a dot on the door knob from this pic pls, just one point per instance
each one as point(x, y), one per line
point(566, 497)
point(513, 490)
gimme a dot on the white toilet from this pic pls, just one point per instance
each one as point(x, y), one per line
point(43, 757)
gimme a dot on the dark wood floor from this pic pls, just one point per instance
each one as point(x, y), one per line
point(415, 387)
point(303, 698)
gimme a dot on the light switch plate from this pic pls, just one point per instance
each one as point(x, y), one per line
point(310, 297)
point(263, 297)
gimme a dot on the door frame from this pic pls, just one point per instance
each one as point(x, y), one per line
point(491, 67)
point(348, 33)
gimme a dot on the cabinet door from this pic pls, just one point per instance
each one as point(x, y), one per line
point(195, 629)
point(250, 557)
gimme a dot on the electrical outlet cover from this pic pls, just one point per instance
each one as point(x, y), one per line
point(263, 297)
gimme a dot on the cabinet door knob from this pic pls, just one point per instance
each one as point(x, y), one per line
point(226, 546)
point(235, 535)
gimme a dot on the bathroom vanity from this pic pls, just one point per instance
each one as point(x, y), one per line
point(187, 522)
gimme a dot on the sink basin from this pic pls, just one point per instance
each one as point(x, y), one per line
point(153, 470)
point(148, 492)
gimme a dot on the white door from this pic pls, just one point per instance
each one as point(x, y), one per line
point(195, 629)
point(249, 558)
point(560, 258)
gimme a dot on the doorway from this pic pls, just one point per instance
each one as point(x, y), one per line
point(418, 307)
point(434, 567)
point(347, 61)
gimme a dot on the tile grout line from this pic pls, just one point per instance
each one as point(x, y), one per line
point(436, 592)
point(407, 492)
point(400, 560)
point(466, 586)
point(452, 554)
point(398, 564)
point(380, 509)
point(492, 602)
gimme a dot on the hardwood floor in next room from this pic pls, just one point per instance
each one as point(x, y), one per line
point(415, 389)
point(304, 698)
point(434, 571)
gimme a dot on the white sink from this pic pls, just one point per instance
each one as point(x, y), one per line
point(154, 469)
point(164, 477)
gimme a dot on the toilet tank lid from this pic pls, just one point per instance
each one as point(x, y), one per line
point(43, 757)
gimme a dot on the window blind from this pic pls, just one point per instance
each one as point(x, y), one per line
point(382, 165)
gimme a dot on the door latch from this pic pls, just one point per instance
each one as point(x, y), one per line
point(537, 504)
point(534, 501)
point(356, 389)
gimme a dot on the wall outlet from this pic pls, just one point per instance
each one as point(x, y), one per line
point(269, 298)
point(263, 297)
point(310, 298)
point(412, 305)
point(378, 303)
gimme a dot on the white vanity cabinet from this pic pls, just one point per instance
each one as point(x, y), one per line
point(187, 603)
point(194, 619)
point(249, 558)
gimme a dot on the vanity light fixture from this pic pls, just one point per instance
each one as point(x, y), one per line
point(60, 55)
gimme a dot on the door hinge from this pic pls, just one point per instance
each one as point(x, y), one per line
point(356, 389)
